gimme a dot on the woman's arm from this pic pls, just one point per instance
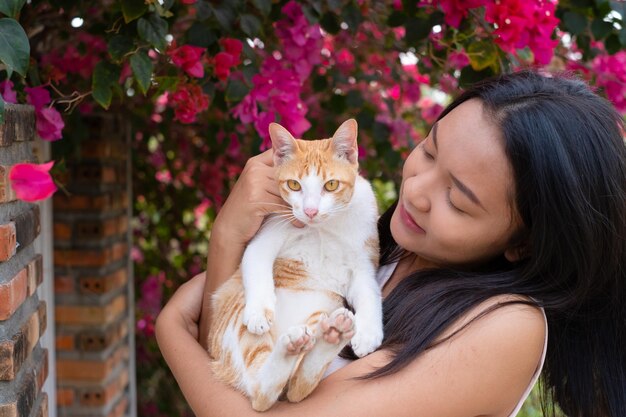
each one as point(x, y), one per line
point(254, 196)
point(483, 370)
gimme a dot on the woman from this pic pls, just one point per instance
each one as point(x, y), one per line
point(510, 211)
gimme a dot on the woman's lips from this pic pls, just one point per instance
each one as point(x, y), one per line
point(408, 220)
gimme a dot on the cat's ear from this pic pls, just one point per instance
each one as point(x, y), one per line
point(344, 141)
point(283, 144)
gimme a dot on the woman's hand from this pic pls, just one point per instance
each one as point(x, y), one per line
point(253, 197)
point(183, 309)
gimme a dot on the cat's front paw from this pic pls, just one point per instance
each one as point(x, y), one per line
point(366, 340)
point(258, 321)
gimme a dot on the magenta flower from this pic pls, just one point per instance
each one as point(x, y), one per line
point(454, 10)
point(7, 92)
point(49, 124)
point(32, 182)
point(37, 96)
point(610, 73)
point(187, 58)
point(188, 101)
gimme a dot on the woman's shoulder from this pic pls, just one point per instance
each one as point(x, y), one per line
point(482, 365)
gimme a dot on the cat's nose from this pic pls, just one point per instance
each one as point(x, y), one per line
point(311, 212)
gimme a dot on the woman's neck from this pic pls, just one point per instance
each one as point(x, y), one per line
point(407, 264)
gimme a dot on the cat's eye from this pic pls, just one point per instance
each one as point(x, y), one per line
point(331, 185)
point(294, 185)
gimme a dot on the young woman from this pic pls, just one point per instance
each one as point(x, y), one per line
point(510, 222)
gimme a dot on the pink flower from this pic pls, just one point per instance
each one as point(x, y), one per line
point(7, 92)
point(454, 10)
point(49, 124)
point(524, 23)
point(188, 101)
point(232, 47)
point(345, 60)
point(610, 73)
point(187, 58)
point(37, 96)
point(32, 182)
point(223, 63)
point(458, 60)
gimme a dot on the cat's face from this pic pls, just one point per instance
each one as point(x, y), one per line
point(316, 177)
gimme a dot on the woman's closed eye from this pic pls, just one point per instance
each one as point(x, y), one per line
point(451, 204)
point(427, 154)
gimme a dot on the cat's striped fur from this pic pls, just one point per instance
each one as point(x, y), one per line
point(270, 319)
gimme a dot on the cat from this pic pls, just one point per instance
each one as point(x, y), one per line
point(280, 320)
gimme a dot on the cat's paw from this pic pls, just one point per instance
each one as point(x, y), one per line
point(297, 340)
point(366, 340)
point(338, 327)
point(258, 322)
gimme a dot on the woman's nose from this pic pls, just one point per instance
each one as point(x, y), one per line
point(421, 203)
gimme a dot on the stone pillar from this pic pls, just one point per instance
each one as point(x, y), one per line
point(92, 269)
point(23, 362)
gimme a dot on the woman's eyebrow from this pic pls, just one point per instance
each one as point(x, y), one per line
point(465, 190)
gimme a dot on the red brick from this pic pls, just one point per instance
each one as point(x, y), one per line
point(35, 274)
point(73, 314)
point(14, 352)
point(62, 231)
point(65, 397)
point(7, 241)
point(6, 192)
point(89, 257)
point(102, 285)
point(90, 370)
point(63, 284)
point(120, 408)
point(12, 294)
point(65, 342)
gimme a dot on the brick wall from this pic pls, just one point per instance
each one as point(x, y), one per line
point(91, 280)
point(23, 361)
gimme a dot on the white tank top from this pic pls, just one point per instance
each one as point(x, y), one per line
point(384, 273)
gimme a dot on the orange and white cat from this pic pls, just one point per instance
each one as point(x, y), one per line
point(280, 320)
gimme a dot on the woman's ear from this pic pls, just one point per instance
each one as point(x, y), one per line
point(517, 252)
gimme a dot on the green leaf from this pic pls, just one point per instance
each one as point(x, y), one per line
point(142, 67)
point(250, 25)
point(397, 18)
point(600, 28)
point(330, 23)
point(470, 76)
point(165, 84)
point(319, 83)
point(622, 36)
point(575, 23)
point(200, 35)
point(354, 98)
point(264, 6)
point(352, 16)
point(153, 30)
point(225, 17)
point(482, 54)
point(120, 45)
point(416, 29)
point(133, 9)
point(14, 47)
point(613, 44)
point(105, 76)
point(11, 8)
point(1, 110)
point(236, 90)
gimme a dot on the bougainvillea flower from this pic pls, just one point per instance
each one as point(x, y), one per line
point(223, 63)
point(49, 124)
point(7, 92)
point(232, 47)
point(32, 182)
point(37, 96)
point(187, 58)
point(188, 101)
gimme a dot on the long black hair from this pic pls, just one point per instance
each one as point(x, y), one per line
point(566, 148)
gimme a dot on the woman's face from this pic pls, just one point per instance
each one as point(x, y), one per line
point(455, 205)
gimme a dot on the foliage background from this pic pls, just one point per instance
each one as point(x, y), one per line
point(200, 81)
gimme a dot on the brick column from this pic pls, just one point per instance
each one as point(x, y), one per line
point(23, 362)
point(91, 246)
